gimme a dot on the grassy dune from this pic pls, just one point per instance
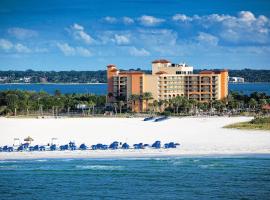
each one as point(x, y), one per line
point(260, 123)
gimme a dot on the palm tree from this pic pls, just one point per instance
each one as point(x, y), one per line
point(147, 96)
point(91, 105)
point(193, 103)
point(115, 105)
point(133, 99)
point(252, 103)
point(121, 104)
point(155, 105)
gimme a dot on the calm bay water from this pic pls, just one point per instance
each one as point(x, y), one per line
point(245, 88)
point(151, 178)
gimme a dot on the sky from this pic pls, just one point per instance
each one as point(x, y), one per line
point(90, 34)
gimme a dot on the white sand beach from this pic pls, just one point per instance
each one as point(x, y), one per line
point(197, 136)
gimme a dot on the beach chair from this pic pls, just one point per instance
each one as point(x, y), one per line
point(114, 145)
point(172, 145)
point(21, 148)
point(5, 148)
point(1, 149)
point(104, 147)
point(42, 148)
point(72, 146)
point(53, 147)
point(31, 148)
point(83, 147)
point(138, 146)
point(10, 149)
point(156, 144)
point(94, 147)
point(161, 119)
point(125, 146)
point(148, 118)
point(99, 146)
point(64, 147)
point(36, 148)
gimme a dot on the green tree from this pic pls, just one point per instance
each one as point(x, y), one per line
point(147, 96)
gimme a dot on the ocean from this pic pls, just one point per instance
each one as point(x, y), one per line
point(242, 177)
point(245, 88)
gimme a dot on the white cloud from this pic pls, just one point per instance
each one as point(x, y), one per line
point(128, 20)
point(110, 20)
point(68, 50)
point(79, 34)
point(20, 48)
point(8, 46)
point(147, 20)
point(138, 52)
point(5, 44)
point(121, 39)
point(208, 39)
point(83, 52)
point(22, 33)
point(244, 28)
point(181, 17)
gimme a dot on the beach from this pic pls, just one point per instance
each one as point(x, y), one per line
point(196, 135)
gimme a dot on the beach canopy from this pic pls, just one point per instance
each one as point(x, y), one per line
point(28, 139)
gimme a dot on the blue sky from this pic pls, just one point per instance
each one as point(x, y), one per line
point(88, 35)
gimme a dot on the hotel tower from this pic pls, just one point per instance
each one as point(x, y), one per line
point(167, 81)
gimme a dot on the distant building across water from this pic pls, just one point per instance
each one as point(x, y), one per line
point(236, 80)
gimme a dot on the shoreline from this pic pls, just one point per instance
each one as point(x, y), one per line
point(52, 83)
point(124, 154)
point(89, 83)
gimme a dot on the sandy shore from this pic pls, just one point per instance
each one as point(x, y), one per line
point(197, 136)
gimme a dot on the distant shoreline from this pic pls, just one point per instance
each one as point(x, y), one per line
point(50, 83)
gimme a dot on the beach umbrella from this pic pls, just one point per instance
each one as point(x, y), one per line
point(28, 139)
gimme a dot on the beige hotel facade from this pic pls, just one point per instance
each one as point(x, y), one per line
point(167, 81)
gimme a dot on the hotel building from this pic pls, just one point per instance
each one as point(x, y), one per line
point(167, 81)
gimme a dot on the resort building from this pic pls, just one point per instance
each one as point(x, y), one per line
point(167, 81)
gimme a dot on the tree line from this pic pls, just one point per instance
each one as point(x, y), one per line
point(18, 102)
point(15, 102)
point(235, 103)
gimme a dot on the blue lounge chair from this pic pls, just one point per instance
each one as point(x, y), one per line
point(42, 148)
point(104, 147)
point(64, 147)
point(148, 118)
point(31, 148)
point(53, 147)
point(72, 146)
point(114, 145)
point(157, 144)
point(1, 149)
point(161, 119)
point(138, 146)
point(125, 146)
point(5, 148)
point(36, 148)
point(83, 147)
point(99, 146)
point(94, 147)
point(10, 149)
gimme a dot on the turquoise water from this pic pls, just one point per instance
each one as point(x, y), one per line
point(149, 178)
point(246, 88)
